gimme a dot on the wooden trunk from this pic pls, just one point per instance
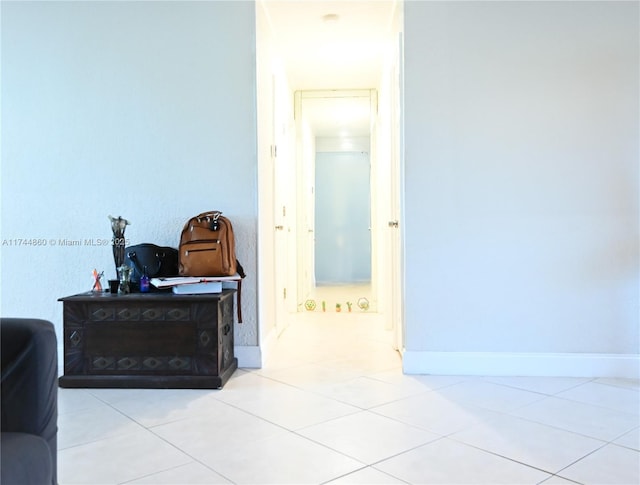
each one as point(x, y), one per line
point(148, 340)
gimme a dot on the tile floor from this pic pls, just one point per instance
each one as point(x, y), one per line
point(333, 407)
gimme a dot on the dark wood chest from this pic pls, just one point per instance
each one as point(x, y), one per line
point(148, 340)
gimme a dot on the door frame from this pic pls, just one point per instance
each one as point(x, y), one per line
point(304, 273)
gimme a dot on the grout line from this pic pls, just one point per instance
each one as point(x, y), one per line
point(581, 458)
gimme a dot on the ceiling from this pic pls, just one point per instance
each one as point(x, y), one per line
point(342, 117)
point(332, 44)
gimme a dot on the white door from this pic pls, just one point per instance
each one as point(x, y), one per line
point(394, 224)
point(283, 159)
point(303, 175)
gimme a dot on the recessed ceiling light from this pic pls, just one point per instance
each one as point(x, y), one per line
point(330, 18)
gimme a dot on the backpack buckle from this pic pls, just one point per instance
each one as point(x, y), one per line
point(215, 225)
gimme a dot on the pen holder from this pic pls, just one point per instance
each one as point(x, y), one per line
point(113, 286)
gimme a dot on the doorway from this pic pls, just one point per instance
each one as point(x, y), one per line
point(335, 197)
point(328, 50)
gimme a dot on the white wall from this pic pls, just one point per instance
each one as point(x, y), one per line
point(139, 109)
point(522, 187)
point(342, 218)
point(521, 202)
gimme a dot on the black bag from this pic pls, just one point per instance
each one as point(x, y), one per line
point(160, 261)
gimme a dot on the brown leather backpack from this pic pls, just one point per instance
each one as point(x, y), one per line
point(207, 246)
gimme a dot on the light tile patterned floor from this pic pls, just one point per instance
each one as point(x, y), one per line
point(332, 406)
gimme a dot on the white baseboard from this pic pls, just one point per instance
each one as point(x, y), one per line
point(249, 356)
point(253, 357)
point(521, 364)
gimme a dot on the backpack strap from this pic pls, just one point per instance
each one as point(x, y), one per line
point(242, 274)
point(239, 301)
